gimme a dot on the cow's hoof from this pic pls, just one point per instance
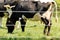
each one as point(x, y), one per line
point(22, 31)
point(10, 32)
point(44, 32)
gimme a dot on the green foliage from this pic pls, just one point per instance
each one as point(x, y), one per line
point(58, 1)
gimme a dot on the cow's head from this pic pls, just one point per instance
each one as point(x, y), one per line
point(8, 10)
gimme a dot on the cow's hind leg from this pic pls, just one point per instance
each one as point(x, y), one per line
point(45, 30)
point(23, 23)
point(49, 27)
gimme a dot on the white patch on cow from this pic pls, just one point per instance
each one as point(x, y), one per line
point(20, 18)
point(45, 1)
point(47, 15)
point(36, 0)
point(10, 12)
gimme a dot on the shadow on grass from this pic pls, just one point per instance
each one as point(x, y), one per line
point(43, 38)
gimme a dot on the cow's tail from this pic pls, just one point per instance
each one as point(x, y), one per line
point(56, 11)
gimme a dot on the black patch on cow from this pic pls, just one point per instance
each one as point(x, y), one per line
point(44, 9)
point(24, 6)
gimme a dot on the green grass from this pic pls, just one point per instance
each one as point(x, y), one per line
point(33, 31)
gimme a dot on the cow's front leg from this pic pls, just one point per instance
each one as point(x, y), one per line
point(45, 22)
point(10, 26)
point(23, 23)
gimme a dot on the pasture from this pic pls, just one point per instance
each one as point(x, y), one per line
point(33, 31)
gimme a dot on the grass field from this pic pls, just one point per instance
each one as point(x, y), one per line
point(33, 31)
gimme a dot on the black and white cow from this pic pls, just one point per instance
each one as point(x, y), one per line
point(29, 9)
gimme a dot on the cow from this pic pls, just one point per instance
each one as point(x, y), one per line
point(29, 9)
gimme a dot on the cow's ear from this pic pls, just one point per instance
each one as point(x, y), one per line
point(6, 5)
point(12, 6)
